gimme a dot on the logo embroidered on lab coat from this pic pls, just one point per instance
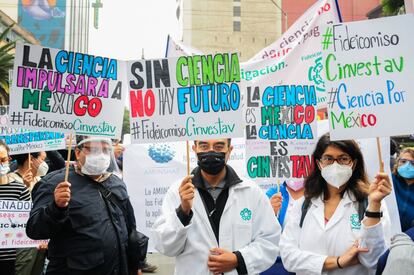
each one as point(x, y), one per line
point(246, 214)
point(355, 223)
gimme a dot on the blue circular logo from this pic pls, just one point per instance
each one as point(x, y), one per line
point(161, 153)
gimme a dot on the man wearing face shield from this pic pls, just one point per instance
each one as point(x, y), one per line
point(213, 222)
point(88, 234)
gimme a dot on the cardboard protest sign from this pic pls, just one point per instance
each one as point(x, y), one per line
point(301, 45)
point(161, 165)
point(13, 219)
point(185, 98)
point(71, 92)
point(368, 67)
point(22, 141)
point(280, 117)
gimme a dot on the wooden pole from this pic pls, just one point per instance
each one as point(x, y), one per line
point(188, 157)
point(381, 162)
point(68, 158)
point(30, 161)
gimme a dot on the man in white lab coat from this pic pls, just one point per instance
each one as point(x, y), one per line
point(213, 222)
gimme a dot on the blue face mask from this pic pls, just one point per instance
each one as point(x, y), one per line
point(406, 171)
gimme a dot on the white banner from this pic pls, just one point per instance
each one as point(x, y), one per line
point(368, 68)
point(298, 52)
point(185, 98)
point(13, 219)
point(57, 90)
point(176, 48)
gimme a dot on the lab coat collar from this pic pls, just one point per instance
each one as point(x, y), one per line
point(319, 212)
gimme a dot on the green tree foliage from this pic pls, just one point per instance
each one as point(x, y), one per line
point(392, 7)
point(6, 64)
point(125, 124)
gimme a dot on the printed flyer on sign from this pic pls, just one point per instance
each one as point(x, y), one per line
point(368, 68)
point(71, 92)
point(21, 141)
point(185, 98)
point(13, 219)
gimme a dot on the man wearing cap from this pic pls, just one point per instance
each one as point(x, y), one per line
point(87, 234)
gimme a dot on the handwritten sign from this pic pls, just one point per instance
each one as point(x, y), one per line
point(58, 90)
point(368, 68)
point(185, 98)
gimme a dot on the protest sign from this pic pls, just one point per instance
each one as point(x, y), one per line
point(280, 117)
point(71, 92)
point(185, 98)
point(368, 67)
point(300, 44)
point(160, 165)
point(13, 219)
point(22, 141)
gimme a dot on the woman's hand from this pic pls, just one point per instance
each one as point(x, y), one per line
point(276, 202)
point(380, 188)
point(350, 257)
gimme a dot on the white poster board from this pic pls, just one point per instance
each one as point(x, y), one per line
point(185, 98)
point(368, 68)
point(60, 91)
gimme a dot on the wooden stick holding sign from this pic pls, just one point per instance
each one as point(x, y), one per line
point(188, 157)
point(30, 161)
point(68, 158)
point(381, 163)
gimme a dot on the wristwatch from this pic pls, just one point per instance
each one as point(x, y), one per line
point(377, 215)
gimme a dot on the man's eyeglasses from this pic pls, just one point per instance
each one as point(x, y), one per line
point(342, 160)
point(404, 161)
point(89, 149)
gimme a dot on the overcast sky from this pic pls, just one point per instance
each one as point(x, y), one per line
point(127, 26)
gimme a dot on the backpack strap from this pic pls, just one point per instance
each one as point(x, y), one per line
point(305, 207)
point(362, 206)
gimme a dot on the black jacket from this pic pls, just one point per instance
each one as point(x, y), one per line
point(83, 239)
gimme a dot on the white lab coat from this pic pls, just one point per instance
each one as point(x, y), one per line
point(304, 250)
point(257, 239)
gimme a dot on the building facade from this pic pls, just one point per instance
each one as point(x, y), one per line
point(230, 25)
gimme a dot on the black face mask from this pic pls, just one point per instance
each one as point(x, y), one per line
point(211, 162)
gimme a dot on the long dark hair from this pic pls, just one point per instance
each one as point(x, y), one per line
point(315, 184)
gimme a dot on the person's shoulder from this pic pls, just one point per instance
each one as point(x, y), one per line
point(55, 174)
point(14, 185)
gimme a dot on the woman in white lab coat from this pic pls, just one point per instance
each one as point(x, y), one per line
point(338, 229)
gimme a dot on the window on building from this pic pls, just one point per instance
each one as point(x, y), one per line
point(236, 11)
point(236, 26)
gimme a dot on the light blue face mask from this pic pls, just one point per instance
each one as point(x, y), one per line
point(4, 169)
point(406, 171)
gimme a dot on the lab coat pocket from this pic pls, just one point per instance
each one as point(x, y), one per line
point(242, 235)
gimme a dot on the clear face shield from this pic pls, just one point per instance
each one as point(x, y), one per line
point(97, 156)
